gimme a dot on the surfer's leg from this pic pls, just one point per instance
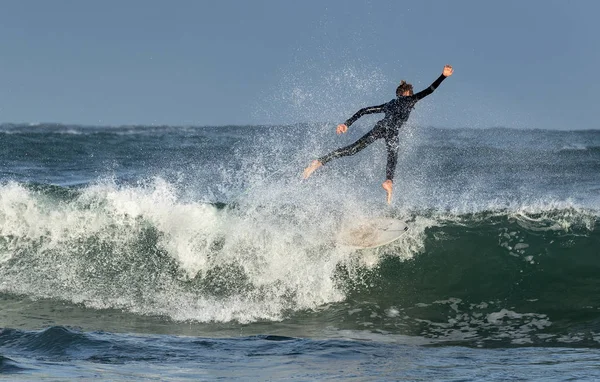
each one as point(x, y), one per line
point(361, 143)
point(354, 148)
point(391, 146)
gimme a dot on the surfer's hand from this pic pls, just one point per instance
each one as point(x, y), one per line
point(448, 71)
point(342, 128)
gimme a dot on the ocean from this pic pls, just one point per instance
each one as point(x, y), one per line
point(177, 253)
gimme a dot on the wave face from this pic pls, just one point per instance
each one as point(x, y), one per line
point(217, 228)
point(494, 279)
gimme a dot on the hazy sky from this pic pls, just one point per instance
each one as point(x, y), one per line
point(530, 64)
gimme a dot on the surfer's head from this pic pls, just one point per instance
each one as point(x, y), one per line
point(404, 89)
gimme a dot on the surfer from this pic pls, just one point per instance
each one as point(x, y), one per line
point(396, 112)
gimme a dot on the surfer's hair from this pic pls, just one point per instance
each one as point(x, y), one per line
point(404, 86)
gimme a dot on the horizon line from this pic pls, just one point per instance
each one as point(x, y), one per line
point(141, 125)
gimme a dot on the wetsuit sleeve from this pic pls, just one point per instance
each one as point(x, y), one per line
point(364, 111)
point(424, 93)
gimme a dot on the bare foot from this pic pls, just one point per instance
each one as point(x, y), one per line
point(310, 169)
point(387, 186)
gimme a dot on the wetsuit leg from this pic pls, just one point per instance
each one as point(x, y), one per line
point(392, 142)
point(370, 137)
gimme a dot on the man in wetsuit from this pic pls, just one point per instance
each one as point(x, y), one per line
point(396, 112)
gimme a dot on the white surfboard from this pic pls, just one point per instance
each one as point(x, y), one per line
point(371, 232)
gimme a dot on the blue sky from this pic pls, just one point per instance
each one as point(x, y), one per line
point(525, 64)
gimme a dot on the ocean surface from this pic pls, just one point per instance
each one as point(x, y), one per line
point(173, 253)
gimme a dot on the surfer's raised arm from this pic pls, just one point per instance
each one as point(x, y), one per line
point(447, 72)
point(343, 127)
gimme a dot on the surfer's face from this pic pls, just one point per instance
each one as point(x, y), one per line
point(407, 93)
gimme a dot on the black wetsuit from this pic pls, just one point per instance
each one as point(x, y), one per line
point(396, 112)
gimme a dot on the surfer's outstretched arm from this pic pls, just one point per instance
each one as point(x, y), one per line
point(343, 127)
point(364, 111)
point(424, 93)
